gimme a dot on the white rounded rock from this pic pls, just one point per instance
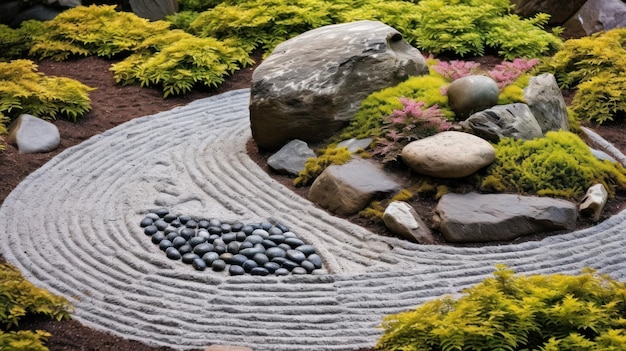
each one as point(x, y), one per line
point(448, 154)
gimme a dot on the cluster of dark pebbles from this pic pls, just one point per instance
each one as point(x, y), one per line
point(257, 249)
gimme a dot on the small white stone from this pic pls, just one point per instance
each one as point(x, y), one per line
point(594, 201)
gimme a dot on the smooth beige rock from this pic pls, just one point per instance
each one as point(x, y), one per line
point(347, 189)
point(402, 219)
point(448, 155)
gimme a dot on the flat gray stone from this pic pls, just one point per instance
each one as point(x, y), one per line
point(33, 135)
point(476, 217)
point(353, 145)
point(291, 158)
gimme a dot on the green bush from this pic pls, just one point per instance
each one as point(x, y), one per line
point(23, 340)
point(24, 90)
point(554, 312)
point(469, 27)
point(197, 5)
point(16, 43)
point(94, 30)
point(596, 65)
point(559, 164)
point(314, 166)
point(18, 297)
point(178, 61)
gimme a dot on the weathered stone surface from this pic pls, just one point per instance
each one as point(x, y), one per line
point(471, 94)
point(312, 84)
point(595, 16)
point(559, 11)
point(498, 217)
point(154, 9)
point(227, 348)
point(601, 155)
point(353, 145)
point(33, 135)
point(501, 121)
point(594, 201)
point(39, 12)
point(291, 158)
point(346, 189)
point(448, 154)
point(546, 102)
point(402, 219)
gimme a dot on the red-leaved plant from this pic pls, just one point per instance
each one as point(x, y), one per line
point(410, 123)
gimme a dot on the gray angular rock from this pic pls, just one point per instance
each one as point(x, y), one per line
point(291, 158)
point(546, 102)
point(33, 135)
point(595, 16)
point(594, 202)
point(501, 121)
point(346, 189)
point(402, 219)
point(499, 217)
point(311, 85)
point(559, 11)
point(471, 94)
point(448, 154)
point(154, 9)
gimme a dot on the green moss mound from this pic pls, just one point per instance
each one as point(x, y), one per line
point(596, 66)
point(560, 164)
point(332, 155)
point(517, 313)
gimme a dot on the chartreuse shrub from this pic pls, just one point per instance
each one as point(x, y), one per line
point(18, 298)
point(470, 27)
point(94, 30)
point(596, 66)
point(178, 61)
point(24, 90)
point(508, 312)
point(16, 43)
point(559, 164)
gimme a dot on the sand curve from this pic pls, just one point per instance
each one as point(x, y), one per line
point(72, 227)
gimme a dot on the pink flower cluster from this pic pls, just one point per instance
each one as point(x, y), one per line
point(504, 73)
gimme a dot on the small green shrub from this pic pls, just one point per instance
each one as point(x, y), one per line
point(198, 5)
point(19, 297)
point(596, 65)
point(369, 119)
point(15, 43)
point(560, 164)
point(94, 30)
point(178, 61)
point(24, 340)
point(314, 166)
point(182, 20)
point(469, 27)
point(24, 90)
point(506, 312)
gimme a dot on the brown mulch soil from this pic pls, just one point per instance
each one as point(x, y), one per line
point(113, 105)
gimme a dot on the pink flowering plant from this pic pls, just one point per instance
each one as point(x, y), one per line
point(504, 73)
point(414, 121)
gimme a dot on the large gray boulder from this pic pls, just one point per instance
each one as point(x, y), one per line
point(502, 121)
point(500, 217)
point(311, 85)
point(33, 135)
point(559, 10)
point(546, 102)
point(595, 16)
point(347, 189)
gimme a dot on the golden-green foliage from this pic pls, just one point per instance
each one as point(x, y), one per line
point(23, 340)
point(314, 166)
point(94, 30)
point(560, 164)
point(15, 43)
point(197, 5)
point(368, 121)
point(373, 212)
point(182, 19)
point(514, 92)
point(469, 27)
point(178, 61)
point(596, 65)
point(507, 312)
point(19, 297)
point(24, 90)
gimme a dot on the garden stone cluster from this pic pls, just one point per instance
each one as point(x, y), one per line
point(257, 249)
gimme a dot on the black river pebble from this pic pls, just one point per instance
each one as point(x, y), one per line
point(255, 248)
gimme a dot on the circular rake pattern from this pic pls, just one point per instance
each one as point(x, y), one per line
point(72, 227)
